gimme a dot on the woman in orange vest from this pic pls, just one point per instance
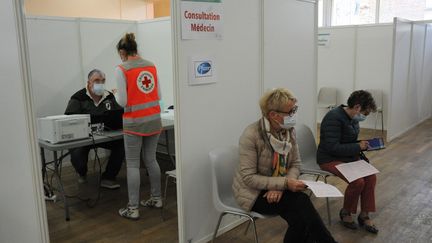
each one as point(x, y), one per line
point(139, 94)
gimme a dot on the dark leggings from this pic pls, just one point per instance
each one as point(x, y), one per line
point(305, 224)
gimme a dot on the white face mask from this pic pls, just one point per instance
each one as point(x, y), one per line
point(98, 89)
point(289, 122)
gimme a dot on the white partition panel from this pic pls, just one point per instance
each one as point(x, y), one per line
point(374, 64)
point(336, 63)
point(426, 110)
point(214, 115)
point(155, 44)
point(290, 53)
point(414, 93)
point(98, 43)
point(22, 218)
point(398, 116)
point(55, 63)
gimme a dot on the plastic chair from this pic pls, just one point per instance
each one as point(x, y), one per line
point(168, 174)
point(224, 163)
point(378, 96)
point(327, 98)
point(308, 148)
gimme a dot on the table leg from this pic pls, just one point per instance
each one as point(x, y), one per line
point(168, 148)
point(57, 164)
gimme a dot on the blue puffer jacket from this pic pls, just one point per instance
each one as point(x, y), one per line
point(338, 137)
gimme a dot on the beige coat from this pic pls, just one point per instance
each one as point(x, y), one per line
point(254, 172)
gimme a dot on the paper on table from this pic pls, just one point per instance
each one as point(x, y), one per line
point(358, 169)
point(321, 189)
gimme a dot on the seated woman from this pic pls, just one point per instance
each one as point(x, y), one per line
point(266, 179)
point(339, 144)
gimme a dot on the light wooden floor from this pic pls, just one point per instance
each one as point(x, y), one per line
point(102, 222)
point(403, 197)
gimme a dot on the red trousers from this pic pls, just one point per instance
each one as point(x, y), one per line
point(363, 188)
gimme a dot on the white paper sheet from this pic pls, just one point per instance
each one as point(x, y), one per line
point(358, 169)
point(321, 189)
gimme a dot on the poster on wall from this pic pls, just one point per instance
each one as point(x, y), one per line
point(324, 39)
point(201, 19)
point(202, 69)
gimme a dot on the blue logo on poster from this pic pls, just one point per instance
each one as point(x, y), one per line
point(204, 68)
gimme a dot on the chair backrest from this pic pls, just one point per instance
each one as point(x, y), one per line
point(377, 94)
point(327, 96)
point(224, 163)
point(307, 146)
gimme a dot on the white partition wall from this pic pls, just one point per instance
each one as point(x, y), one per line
point(357, 57)
point(155, 44)
point(55, 62)
point(374, 49)
point(336, 63)
point(98, 40)
point(215, 115)
point(411, 78)
point(22, 207)
point(64, 50)
point(290, 52)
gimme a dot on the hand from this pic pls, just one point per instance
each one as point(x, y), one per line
point(114, 91)
point(273, 196)
point(364, 145)
point(295, 185)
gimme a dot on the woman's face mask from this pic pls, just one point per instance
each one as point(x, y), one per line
point(289, 121)
point(98, 89)
point(359, 117)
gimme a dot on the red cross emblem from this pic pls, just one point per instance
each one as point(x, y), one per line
point(146, 82)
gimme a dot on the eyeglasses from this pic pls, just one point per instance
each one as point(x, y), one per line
point(291, 112)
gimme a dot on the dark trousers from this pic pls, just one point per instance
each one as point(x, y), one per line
point(305, 224)
point(79, 159)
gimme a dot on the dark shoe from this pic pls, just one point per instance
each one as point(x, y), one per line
point(370, 228)
point(349, 225)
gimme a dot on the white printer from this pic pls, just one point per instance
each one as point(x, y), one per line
point(63, 128)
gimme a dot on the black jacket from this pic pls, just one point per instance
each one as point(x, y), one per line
point(81, 103)
point(338, 137)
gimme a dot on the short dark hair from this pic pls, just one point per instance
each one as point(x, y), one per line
point(362, 98)
point(95, 71)
point(128, 44)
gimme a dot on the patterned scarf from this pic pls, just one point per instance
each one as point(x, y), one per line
point(281, 146)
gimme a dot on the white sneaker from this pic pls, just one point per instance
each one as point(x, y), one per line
point(109, 184)
point(153, 202)
point(129, 212)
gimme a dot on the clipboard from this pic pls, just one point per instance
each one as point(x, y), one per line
point(375, 144)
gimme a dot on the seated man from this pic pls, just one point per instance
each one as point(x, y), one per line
point(95, 100)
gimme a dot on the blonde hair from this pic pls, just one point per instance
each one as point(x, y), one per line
point(275, 99)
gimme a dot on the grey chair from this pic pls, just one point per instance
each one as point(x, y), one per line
point(168, 174)
point(378, 96)
point(224, 162)
point(327, 98)
point(308, 148)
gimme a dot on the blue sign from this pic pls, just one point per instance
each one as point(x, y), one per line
point(203, 68)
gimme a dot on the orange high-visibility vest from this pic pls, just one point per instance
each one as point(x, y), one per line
point(142, 94)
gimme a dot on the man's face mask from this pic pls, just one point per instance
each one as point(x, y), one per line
point(98, 89)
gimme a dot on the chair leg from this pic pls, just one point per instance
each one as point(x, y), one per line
point(217, 226)
point(247, 227)
point(254, 229)
point(328, 211)
point(328, 204)
point(164, 197)
point(375, 125)
point(382, 124)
